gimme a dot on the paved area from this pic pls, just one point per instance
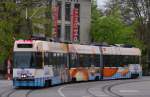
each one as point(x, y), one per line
point(136, 89)
point(113, 88)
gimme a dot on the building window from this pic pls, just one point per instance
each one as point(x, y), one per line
point(67, 11)
point(78, 32)
point(59, 9)
point(78, 7)
point(59, 31)
point(18, 1)
point(68, 0)
point(67, 34)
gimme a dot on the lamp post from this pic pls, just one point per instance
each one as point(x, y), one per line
point(29, 19)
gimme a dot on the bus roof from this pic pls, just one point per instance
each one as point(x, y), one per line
point(55, 47)
point(38, 45)
point(120, 51)
point(83, 49)
point(47, 46)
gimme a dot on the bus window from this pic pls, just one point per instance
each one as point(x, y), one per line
point(84, 60)
point(87, 61)
point(81, 60)
point(128, 59)
point(137, 60)
point(23, 59)
point(50, 58)
point(106, 60)
point(110, 61)
point(39, 59)
point(65, 59)
point(73, 60)
point(33, 61)
point(53, 59)
point(57, 60)
point(118, 59)
point(61, 60)
point(46, 58)
point(28, 60)
point(95, 60)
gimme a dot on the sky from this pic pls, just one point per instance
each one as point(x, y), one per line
point(101, 3)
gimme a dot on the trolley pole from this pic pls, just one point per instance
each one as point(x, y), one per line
point(8, 69)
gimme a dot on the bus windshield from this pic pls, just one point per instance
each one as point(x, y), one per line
point(27, 60)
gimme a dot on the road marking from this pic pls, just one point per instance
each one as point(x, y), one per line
point(60, 91)
point(85, 96)
point(129, 91)
point(102, 95)
point(97, 94)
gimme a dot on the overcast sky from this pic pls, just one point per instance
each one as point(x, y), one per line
point(101, 3)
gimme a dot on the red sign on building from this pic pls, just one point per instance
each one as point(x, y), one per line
point(55, 20)
point(75, 16)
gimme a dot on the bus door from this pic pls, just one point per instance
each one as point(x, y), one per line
point(94, 69)
point(64, 70)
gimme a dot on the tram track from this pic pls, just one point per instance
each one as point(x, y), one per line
point(9, 92)
point(6, 89)
point(28, 93)
point(107, 89)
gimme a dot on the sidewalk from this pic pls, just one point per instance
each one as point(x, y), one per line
point(2, 77)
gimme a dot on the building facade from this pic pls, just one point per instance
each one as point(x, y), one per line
point(72, 20)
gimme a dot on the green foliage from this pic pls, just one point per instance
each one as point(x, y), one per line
point(14, 25)
point(7, 28)
point(111, 29)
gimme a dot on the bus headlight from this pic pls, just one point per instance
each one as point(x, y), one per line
point(23, 76)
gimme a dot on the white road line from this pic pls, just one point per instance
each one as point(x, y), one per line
point(129, 91)
point(101, 95)
point(97, 94)
point(60, 91)
point(85, 96)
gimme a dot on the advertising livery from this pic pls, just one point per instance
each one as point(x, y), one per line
point(39, 63)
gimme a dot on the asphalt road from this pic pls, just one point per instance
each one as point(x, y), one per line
point(113, 88)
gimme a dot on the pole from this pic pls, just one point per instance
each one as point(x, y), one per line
point(26, 13)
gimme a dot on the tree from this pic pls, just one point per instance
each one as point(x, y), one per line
point(36, 19)
point(141, 11)
point(111, 28)
point(15, 25)
point(9, 18)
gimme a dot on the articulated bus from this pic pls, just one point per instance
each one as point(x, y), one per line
point(84, 62)
point(39, 63)
point(121, 62)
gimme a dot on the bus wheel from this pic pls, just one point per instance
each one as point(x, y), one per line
point(47, 83)
point(97, 78)
point(134, 76)
point(73, 79)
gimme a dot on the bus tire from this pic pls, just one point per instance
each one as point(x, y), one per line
point(97, 78)
point(47, 83)
point(74, 79)
point(134, 76)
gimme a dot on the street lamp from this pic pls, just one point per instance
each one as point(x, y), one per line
point(28, 19)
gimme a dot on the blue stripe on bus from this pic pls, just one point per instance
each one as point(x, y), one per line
point(93, 77)
point(37, 82)
point(118, 76)
point(56, 80)
point(40, 82)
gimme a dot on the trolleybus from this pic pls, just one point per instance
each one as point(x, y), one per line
point(38, 63)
